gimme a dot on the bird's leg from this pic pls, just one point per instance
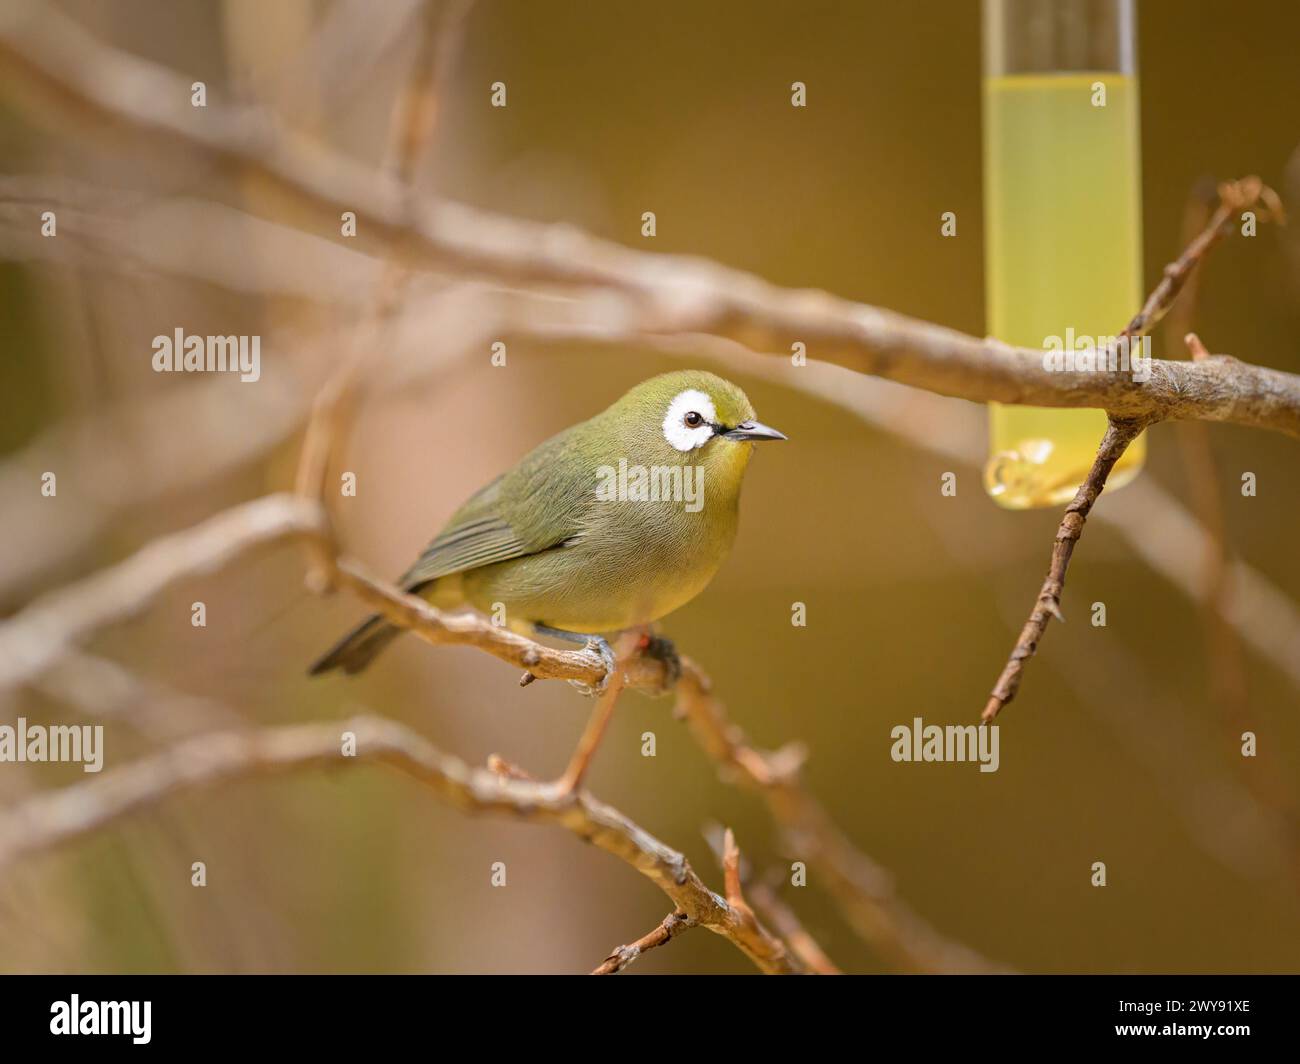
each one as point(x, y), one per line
point(591, 642)
point(660, 648)
point(601, 715)
point(585, 751)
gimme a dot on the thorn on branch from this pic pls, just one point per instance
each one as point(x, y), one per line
point(499, 766)
point(1195, 347)
point(731, 876)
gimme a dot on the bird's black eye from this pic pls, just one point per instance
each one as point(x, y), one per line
point(693, 420)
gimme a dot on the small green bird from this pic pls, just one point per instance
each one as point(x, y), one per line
point(610, 525)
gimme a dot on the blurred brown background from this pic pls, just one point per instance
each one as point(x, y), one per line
point(1115, 751)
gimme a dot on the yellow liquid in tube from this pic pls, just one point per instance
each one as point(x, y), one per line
point(1063, 222)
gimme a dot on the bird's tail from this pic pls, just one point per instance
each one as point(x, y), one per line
point(358, 648)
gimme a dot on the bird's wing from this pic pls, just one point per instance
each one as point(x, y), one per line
point(539, 505)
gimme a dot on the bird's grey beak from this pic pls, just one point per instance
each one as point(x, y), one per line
point(753, 430)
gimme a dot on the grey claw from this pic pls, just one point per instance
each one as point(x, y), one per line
point(602, 648)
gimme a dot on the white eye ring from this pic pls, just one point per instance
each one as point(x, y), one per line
point(681, 435)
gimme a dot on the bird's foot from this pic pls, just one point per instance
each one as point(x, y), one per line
point(661, 649)
point(606, 653)
point(593, 644)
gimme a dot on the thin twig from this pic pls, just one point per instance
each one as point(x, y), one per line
point(740, 907)
point(1234, 198)
point(1225, 654)
point(1119, 434)
point(668, 929)
point(767, 902)
point(782, 919)
point(412, 129)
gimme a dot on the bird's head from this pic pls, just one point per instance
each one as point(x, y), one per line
point(693, 417)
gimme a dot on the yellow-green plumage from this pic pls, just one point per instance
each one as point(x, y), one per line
point(542, 542)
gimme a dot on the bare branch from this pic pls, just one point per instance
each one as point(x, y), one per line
point(760, 942)
point(768, 903)
point(1153, 523)
point(658, 295)
point(75, 76)
point(672, 925)
point(1119, 434)
point(412, 129)
point(355, 39)
point(53, 624)
point(469, 629)
point(50, 819)
point(104, 690)
point(34, 638)
point(1226, 665)
point(1223, 645)
point(1234, 198)
point(864, 890)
